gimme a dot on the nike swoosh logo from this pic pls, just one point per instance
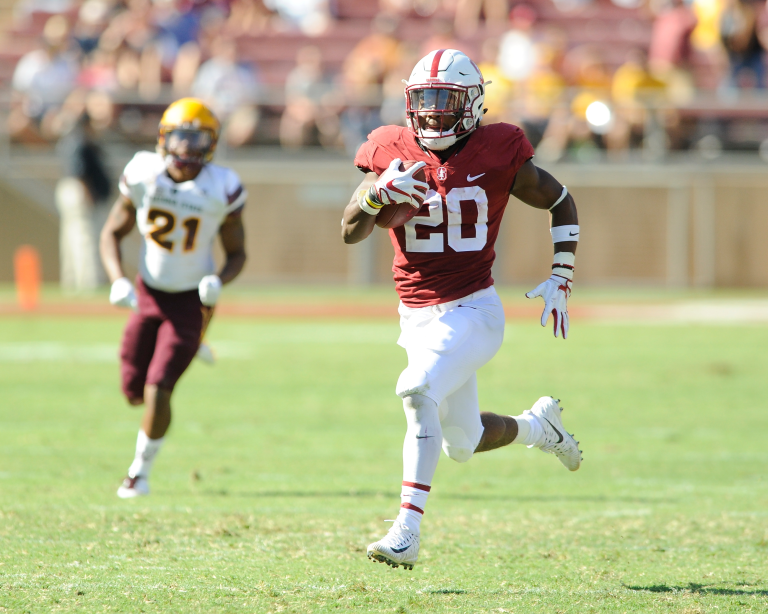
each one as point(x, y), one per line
point(573, 234)
point(390, 186)
point(399, 550)
point(559, 434)
point(424, 436)
point(471, 178)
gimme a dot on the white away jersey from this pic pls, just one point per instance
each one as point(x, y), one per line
point(178, 222)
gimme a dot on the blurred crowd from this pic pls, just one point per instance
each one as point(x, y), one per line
point(119, 62)
point(114, 59)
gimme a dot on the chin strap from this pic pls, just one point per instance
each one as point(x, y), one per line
point(456, 139)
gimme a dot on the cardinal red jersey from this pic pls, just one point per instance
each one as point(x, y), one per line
point(446, 251)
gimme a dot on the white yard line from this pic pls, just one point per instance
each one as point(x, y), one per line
point(688, 312)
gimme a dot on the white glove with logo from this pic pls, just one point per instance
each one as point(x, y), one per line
point(396, 186)
point(555, 292)
point(122, 294)
point(209, 289)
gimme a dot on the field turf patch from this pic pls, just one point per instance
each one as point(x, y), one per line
point(284, 460)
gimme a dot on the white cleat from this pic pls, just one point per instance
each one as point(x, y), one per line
point(206, 354)
point(556, 439)
point(133, 487)
point(398, 547)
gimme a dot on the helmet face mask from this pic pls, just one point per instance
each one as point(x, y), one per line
point(444, 98)
point(187, 136)
point(188, 146)
point(440, 112)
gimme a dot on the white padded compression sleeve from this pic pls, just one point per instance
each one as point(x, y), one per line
point(563, 264)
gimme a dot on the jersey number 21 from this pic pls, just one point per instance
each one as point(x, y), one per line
point(164, 223)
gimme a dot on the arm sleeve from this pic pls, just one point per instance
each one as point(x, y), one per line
point(519, 150)
point(236, 193)
point(522, 150)
point(364, 157)
point(132, 174)
point(123, 187)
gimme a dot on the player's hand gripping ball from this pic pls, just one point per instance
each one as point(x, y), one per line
point(209, 290)
point(398, 213)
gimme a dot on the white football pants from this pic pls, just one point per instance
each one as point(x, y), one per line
point(446, 344)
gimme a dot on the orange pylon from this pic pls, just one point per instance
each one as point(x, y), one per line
point(26, 265)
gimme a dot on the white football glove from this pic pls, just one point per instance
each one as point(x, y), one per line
point(555, 292)
point(122, 294)
point(396, 186)
point(209, 289)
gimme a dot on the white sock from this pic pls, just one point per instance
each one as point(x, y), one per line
point(421, 451)
point(413, 499)
point(529, 430)
point(146, 451)
point(411, 519)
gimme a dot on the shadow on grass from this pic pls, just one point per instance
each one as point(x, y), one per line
point(332, 494)
point(447, 591)
point(298, 494)
point(544, 498)
point(698, 589)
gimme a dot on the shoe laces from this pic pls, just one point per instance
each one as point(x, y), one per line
point(399, 535)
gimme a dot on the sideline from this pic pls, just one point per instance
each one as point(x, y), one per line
point(705, 311)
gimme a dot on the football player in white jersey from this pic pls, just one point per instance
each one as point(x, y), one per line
point(180, 202)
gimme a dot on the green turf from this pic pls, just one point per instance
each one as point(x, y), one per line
point(284, 461)
point(378, 294)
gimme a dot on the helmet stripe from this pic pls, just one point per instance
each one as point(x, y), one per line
point(436, 63)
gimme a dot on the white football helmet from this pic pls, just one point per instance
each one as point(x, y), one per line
point(444, 84)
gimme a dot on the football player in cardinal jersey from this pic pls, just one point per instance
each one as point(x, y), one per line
point(180, 203)
point(452, 321)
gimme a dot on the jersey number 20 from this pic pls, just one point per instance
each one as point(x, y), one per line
point(164, 222)
point(435, 241)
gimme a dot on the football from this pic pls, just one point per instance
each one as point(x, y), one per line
point(393, 216)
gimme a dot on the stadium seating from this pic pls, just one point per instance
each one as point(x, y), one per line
point(607, 28)
point(612, 29)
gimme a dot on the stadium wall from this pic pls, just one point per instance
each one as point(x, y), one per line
point(26, 223)
point(672, 225)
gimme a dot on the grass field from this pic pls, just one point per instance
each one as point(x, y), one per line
point(284, 461)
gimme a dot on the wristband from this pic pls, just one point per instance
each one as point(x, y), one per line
point(561, 234)
point(372, 198)
point(563, 194)
point(363, 203)
point(562, 265)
